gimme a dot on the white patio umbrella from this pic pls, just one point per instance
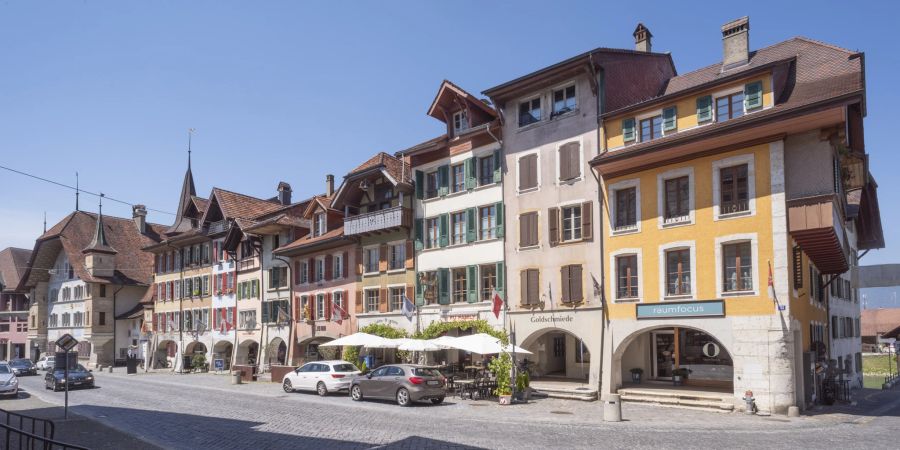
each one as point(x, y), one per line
point(484, 344)
point(359, 339)
point(418, 345)
point(443, 341)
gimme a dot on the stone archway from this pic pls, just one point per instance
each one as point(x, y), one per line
point(164, 357)
point(223, 350)
point(557, 353)
point(276, 352)
point(247, 352)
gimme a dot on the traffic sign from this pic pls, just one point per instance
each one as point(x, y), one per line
point(66, 342)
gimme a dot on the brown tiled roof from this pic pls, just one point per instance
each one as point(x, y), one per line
point(879, 321)
point(279, 219)
point(12, 266)
point(822, 72)
point(76, 231)
point(236, 205)
point(309, 240)
point(200, 203)
point(393, 165)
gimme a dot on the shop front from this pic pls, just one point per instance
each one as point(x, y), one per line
point(662, 352)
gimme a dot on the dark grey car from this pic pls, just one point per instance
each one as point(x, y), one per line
point(404, 383)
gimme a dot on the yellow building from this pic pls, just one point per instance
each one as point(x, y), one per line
point(738, 173)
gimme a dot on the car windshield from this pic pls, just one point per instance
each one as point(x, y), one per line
point(345, 368)
point(5, 369)
point(78, 368)
point(20, 362)
point(425, 372)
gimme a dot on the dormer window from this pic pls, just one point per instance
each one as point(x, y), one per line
point(319, 225)
point(460, 122)
point(530, 111)
point(564, 101)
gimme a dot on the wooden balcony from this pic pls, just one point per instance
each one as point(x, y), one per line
point(816, 226)
point(378, 222)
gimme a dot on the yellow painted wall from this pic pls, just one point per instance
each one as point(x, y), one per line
point(801, 308)
point(703, 232)
point(686, 109)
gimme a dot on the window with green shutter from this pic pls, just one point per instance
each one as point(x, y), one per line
point(498, 166)
point(420, 289)
point(499, 231)
point(471, 226)
point(420, 234)
point(472, 281)
point(670, 119)
point(753, 95)
point(704, 109)
point(628, 130)
point(501, 277)
point(444, 286)
point(420, 185)
point(443, 231)
point(470, 173)
point(444, 180)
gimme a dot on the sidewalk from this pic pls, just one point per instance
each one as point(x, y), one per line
point(76, 430)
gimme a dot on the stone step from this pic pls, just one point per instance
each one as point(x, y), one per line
point(568, 394)
point(691, 401)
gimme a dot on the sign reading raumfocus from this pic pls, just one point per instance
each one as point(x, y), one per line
point(711, 308)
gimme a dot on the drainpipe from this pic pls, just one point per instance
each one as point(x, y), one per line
point(601, 235)
point(290, 270)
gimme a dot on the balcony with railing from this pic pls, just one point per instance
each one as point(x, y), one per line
point(378, 221)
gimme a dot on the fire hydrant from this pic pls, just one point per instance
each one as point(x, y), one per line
point(748, 398)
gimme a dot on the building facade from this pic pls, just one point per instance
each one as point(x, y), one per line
point(726, 215)
point(13, 304)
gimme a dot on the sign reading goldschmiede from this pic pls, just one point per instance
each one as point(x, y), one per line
point(710, 308)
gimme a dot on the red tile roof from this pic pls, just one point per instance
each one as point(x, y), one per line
point(399, 171)
point(12, 266)
point(236, 205)
point(879, 321)
point(308, 241)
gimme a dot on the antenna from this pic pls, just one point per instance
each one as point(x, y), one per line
point(76, 191)
point(190, 135)
point(101, 203)
point(45, 221)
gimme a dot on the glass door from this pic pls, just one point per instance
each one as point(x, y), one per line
point(663, 354)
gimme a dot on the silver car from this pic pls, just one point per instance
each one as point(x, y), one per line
point(404, 383)
point(9, 383)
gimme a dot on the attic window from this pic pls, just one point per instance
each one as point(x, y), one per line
point(460, 122)
point(319, 225)
point(564, 101)
point(530, 112)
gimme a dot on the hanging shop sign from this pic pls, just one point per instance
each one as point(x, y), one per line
point(710, 308)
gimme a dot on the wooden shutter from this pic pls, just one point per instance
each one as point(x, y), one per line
point(359, 301)
point(420, 292)
point(499, 231)
point(443, 180)
point(420, 185)
point(753, 95)
point(670, 119)
point(523, 287)
point(523, 230)
point(564, 278)
point(500, 285)
point(628, 130)
point(383, 258)
point(296, 272)
point(360, 264)
point(345, 262)
point(704, 109)
point(534, 281)
point(472, 281)
point(498, 166)
point(443, 230)
point(420, 234)
point(798, 267)
point(569, 161)
point(328, 306)
point(576, 284)
point(587, 220)
point(444, 286)
point(470, 173)
point(553, 225)
point(383, 300)
point(329, 267)
point(471, 226)
point(410, 256)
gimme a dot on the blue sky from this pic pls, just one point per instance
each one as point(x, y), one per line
point(292, 91)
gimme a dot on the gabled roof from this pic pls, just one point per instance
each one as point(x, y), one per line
point(76, 231)
point(319, 201)
point(12, 266)
point(393, 168)
point(447, 96)
point(311, 243)
point(99, 244)
point(234, 205)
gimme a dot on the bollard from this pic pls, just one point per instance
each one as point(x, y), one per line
point(612, 409)
point(235, 377)
point(750, 407)
point(110, 369)
point(793, 411)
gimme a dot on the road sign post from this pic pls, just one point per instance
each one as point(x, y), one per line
point(66, 342)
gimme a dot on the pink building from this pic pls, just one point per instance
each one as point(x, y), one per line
point(13, 303)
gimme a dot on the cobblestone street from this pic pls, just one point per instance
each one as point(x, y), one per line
point(205, 411)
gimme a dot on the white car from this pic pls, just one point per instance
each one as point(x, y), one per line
point(320, 376)
point(46, 362)
point(9, 383)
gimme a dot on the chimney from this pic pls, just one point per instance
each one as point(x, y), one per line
point(736, 43)
point(642, 38)
point(139, 214)
point(329, 185)
point(284, 193)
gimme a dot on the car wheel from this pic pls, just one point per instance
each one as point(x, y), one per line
point(287, 386)
point(437, 401)
point(356, 393)
point(403, 397)
point(321, 389)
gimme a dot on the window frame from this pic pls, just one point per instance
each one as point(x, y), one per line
point(366, 299)
point(612, 190)
point(530, 101)
point(366, 259)
point(752, 239)
point(490, 230)
point(730, 96)
point(637, 253)
point(664, 249)
point(452, 233)
point(649, 119)
point(429, 175)
point(457, 186)
point(392, 248)
point(576, 224)
point(485, 177)
point(431, 242)
point(486, 273)
point(554, 113)
point(660, 197)
point(717, 166)
point(460, 121)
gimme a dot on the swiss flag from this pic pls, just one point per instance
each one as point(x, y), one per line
point(337, 314)
point(498, 304)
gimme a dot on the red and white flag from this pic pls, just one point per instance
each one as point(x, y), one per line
point(771, 284)
point(498, 304)
point(337, 314)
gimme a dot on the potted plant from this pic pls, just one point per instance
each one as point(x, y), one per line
point(523, 389)
point(636, 373)
point(679, 375)
point(198, 362)
point(501, 368)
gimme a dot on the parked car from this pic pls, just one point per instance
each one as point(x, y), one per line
point(22, 366)
point(404, 383)
point(9, 383)
point(320, 376)
point(46, 362)
point(78, 377)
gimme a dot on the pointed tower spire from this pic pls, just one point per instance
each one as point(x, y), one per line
point(45, 221)
point(99, 244)
point(188, 191)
